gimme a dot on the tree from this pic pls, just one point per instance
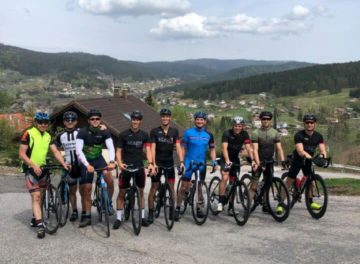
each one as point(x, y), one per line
point(149, 99)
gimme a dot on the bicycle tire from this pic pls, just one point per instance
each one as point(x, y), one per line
point(203, 201)
point(105, 206)
point(127, 206)
point(185, 200)
point(214, 190)
point(246, 179)
point(135, 210)
point(241, 203)
point(63, 189)
point(97, 199)
point(277, 193)
point(50, 209)
point(293, 192)
point(321, 191)
point(169, 206)
point(157, 201)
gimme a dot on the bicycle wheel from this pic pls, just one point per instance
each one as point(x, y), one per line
point(105, 202)
point(246, 179)
point(51, 209)
point(97, 202)
point(293, 192)
point(127, 207)
point(214, 190)
point(168, 200)
point(63, 189)
point(200, 202)
point(316, 191)
point(241, 203)
point(135, 210)
point(184, 205)
point(157, 201)
point(277, 197)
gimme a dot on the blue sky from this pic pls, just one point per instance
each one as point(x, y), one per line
point(152, 30)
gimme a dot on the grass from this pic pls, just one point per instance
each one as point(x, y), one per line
point(344, 186)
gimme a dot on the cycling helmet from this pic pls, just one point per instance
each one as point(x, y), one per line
point(200, 115)
point(165, 111)
point(265, 113)
point(136, 115)
point(94, 112)
point(238, 120)
point(309, 117)
point(70, 115)
point(41, 115)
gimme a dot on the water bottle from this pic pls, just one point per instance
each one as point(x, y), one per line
point(300, 181)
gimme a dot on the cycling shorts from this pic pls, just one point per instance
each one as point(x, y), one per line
point(34, 184)
point(189, 171)
point(125, 176)
point(298, 164)
point(170, 173)
point(233, 172)
point(87, 178)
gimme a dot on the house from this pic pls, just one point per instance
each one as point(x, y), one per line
point(17, 121)
point(115, 112)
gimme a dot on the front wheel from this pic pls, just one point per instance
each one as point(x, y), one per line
point(316, 197)
point(214, 190)
point(247, 180)
point(241, 203)
point(135, 210)
point(51, 209)
point(277, 200)
point(63, 189)
point(200, 202)
point(158, 201)
point(127, 207)
point(294, 194)
point(168, 200)
point(105, 206)
point(184, 205)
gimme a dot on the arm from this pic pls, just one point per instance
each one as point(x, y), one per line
point(149, 157)
point(250, 152)
point(58, 156)
point(180, 154)
point(300, 150)
point(153, 154)
point(122, 166)
point(110, 146)
point(224, 149)
point(22, 155)
point(322, 149)
point(280, 151)
point(256, 153)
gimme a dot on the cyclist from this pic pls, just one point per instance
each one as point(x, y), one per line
point(232, 143)
point(265, 139)
point(163, 139)
point(306, 143)
point(34, 146)
point(195, 143)
point(66, 140)
point(129, 151)
point(89, 144)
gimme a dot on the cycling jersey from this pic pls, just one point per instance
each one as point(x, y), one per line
point(310, 143)
point(235, 143)
point(67, 140)
point(164, 144)
point(131, 144)
point(266, 138)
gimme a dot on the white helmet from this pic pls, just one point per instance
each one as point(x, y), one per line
point(238, 120)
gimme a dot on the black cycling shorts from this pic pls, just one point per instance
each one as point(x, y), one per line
point(125, 176)
point(87, 178)
point(170, 173)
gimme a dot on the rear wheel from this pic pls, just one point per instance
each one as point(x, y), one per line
point(316, 192)
point(200, 202)
point(168, 200)
point(214, 190)
point(277, 200)
point(135, 210)
point(51, 209)
point(63, 189)
point(241, 203)
point(105, 206)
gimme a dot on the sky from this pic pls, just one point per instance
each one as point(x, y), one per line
point(316, 31)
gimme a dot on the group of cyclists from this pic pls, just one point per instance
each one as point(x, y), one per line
point(83, 155)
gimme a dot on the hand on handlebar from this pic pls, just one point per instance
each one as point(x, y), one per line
point(90, 169)
point(123, 166)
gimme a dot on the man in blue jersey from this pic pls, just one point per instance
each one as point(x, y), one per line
point(195, 143)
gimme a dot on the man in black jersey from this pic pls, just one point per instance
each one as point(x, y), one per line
point(89, 144)
point(163, 139)
point(66, 140)
point(232, 143)
point(306, 143)
point(129, 151)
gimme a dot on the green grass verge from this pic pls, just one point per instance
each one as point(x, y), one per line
point(344, 186)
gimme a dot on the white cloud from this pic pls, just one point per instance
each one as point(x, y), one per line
point(189, 26)
point(134, 7)
point(300, 12)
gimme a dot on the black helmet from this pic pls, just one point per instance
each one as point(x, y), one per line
point(309, 117)
point(200, 114)
point(265, 113)
point(165, 111)
point(70, 115)
point(238, 120)
point(136, 115)
point(94, 112)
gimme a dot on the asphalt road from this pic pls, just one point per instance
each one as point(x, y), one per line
point(300, 239)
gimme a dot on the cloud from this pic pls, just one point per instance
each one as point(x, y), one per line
point(196, 26)
point(134, 7)
point(189, 26)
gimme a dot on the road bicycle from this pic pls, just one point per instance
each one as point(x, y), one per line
point(64, 190)
point(270, 193)
point(236, 192)
point(314, 187)
point(198, 194)
point(101, 199)
point(132, 200)
point(164, 198)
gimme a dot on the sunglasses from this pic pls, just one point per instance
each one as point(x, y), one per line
point(95, 119)
point(70, 120)
point(310, 122)
point(265, 119)
point(43, 122)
